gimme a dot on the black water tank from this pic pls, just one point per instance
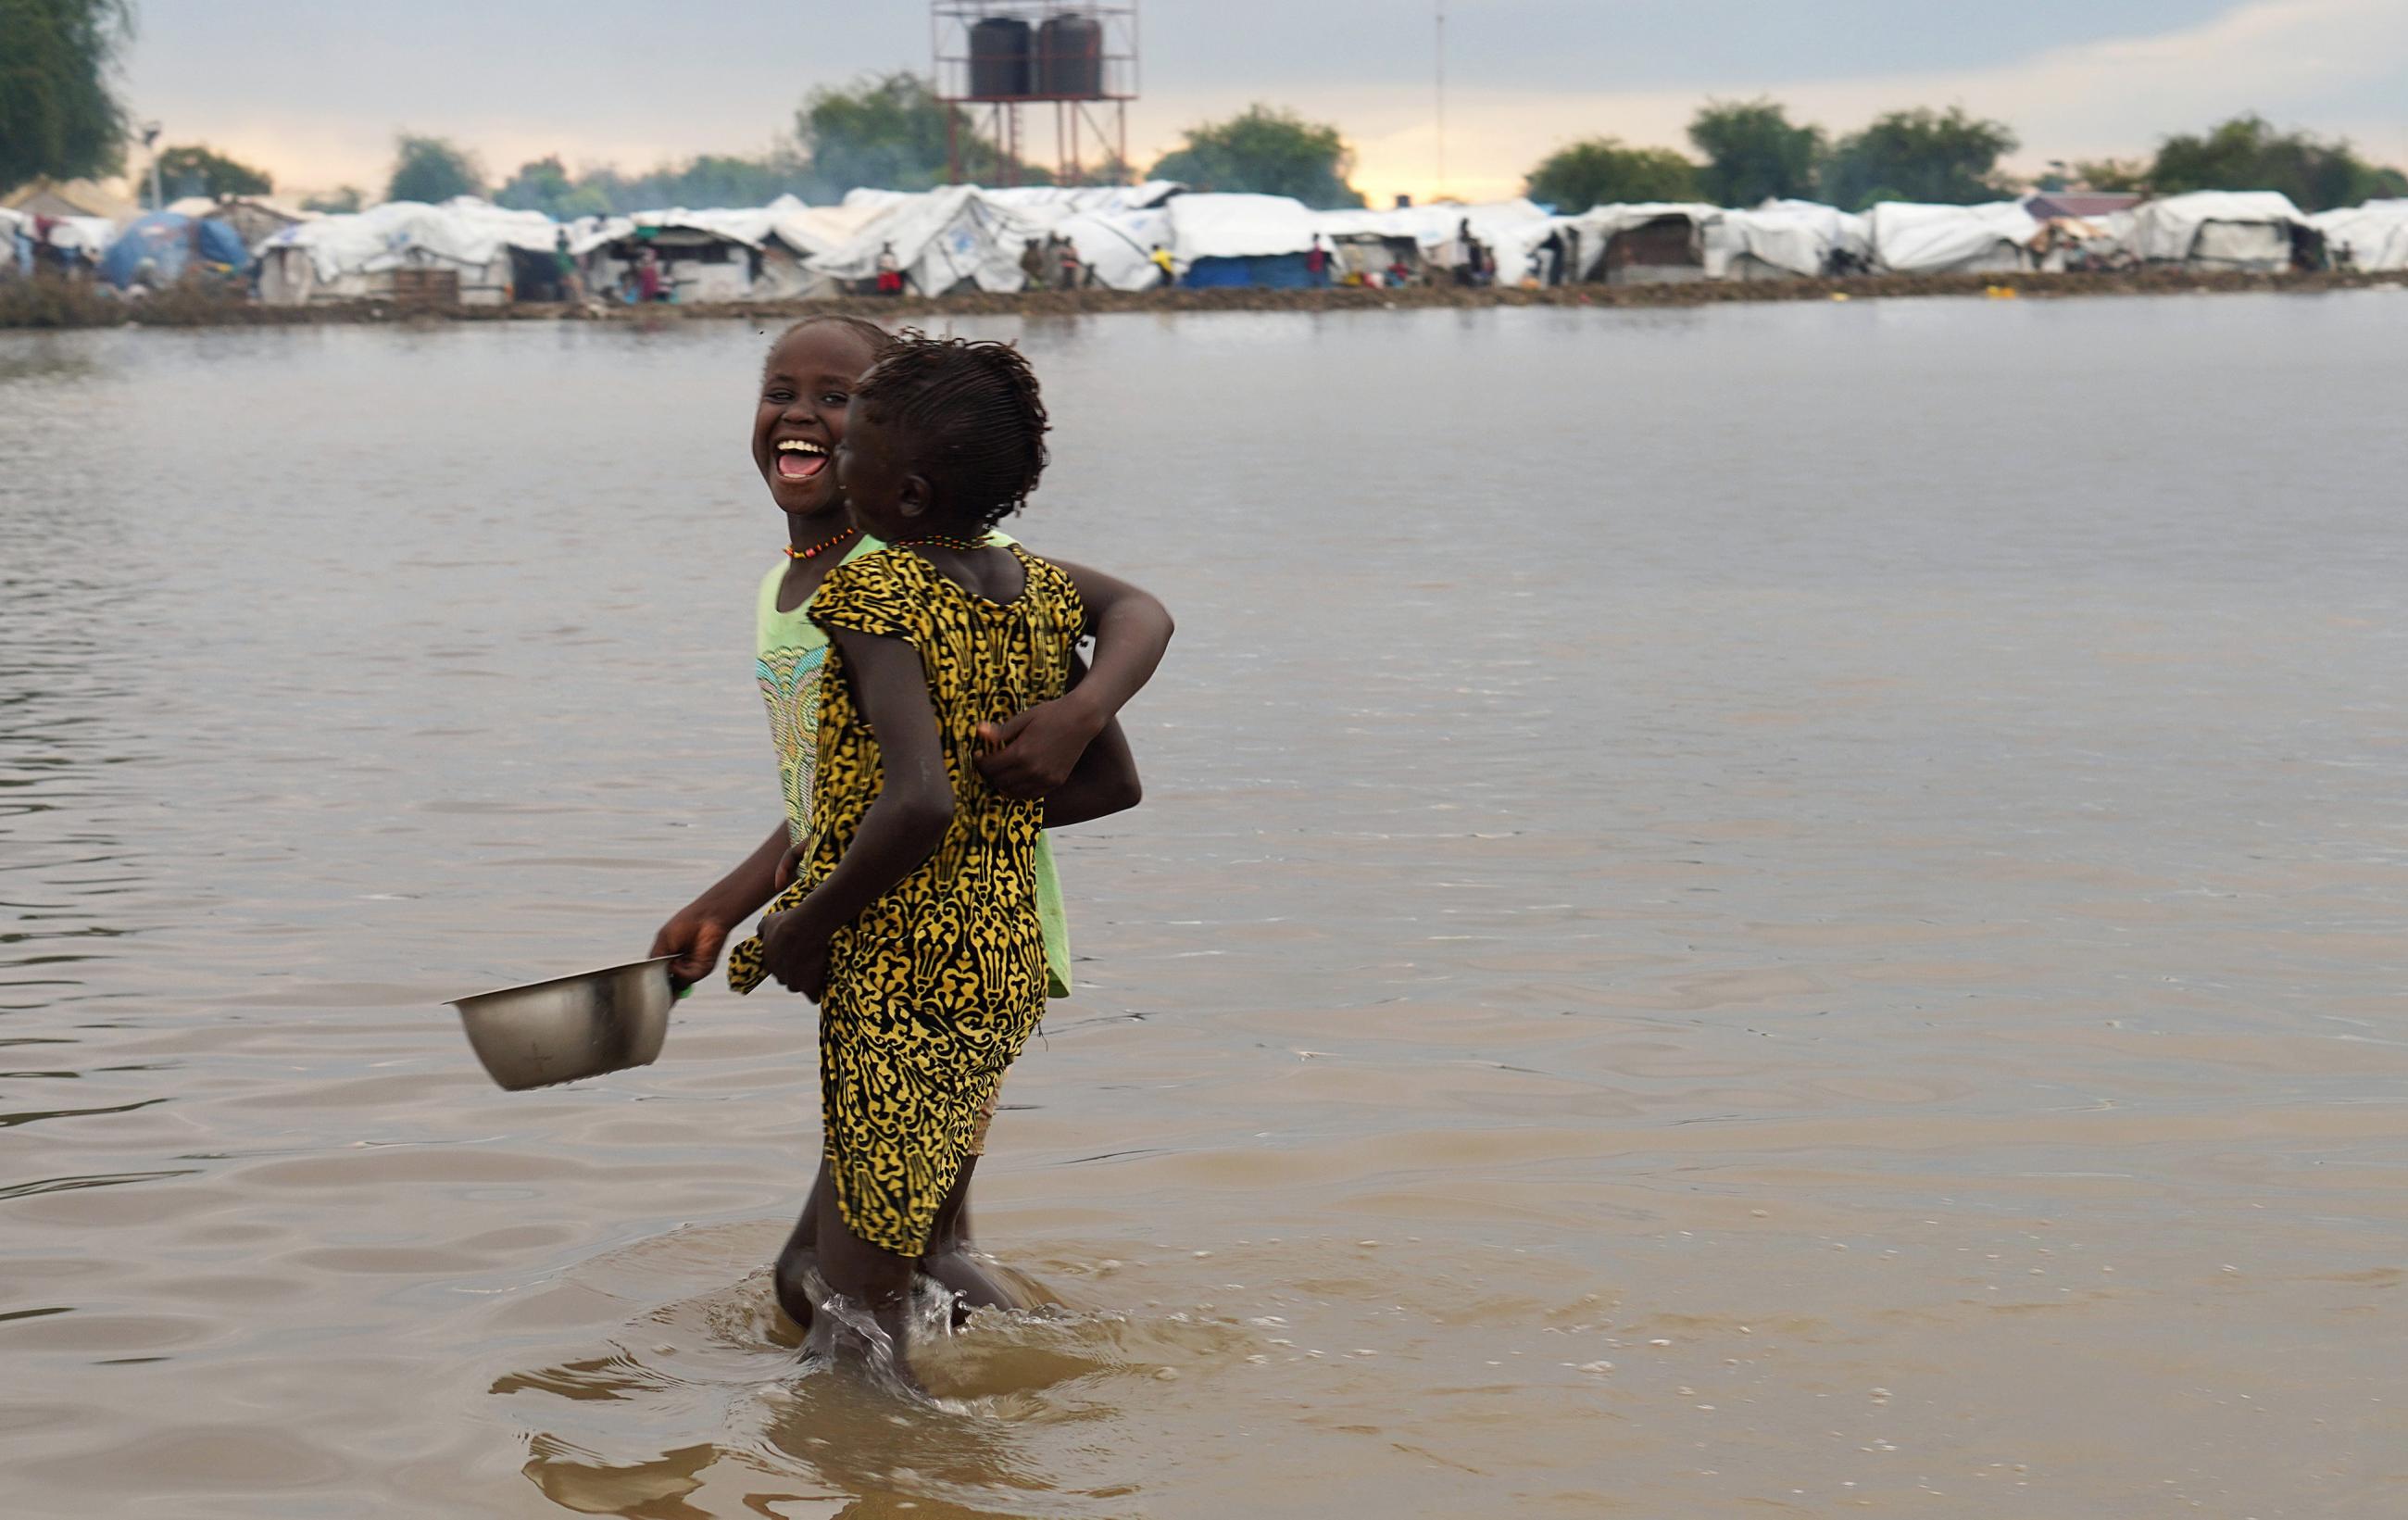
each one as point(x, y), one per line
point(1071, 59)
point(999, 59)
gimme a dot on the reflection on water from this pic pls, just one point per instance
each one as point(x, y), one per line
point(1780, 911)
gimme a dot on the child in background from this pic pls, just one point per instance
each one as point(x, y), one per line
point(798, 421)
point(914, 923)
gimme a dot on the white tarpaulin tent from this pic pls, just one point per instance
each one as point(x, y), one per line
point(1918, 240)
point(1235, 226)
point(2219, 229)
point(353, 256)
point(940, 238)
point(1784, 239)
point(2376, 235)
point(1510, 228)
point(1053, 203)
point(1117, 247)
point(761, 253)
point(1595, 230)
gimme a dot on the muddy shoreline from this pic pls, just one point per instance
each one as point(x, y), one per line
point(31, 305)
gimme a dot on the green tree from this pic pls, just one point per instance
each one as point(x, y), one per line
point(1919, 155)
point(887, 133)
point(543, 185)
point(334, 202)
point(1753, 152)
point(59, 116)
point(2248, 153)
point(1601, 171)
point(195, 169)
point(1269, 151)
point(2113, 176)
point(432, 170)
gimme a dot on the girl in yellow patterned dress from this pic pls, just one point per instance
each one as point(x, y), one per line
point(913, 923)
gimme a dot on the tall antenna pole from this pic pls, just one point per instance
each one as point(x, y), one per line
point(1440, 91)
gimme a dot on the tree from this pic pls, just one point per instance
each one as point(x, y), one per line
point(334, 202)
point(2247, 153)
point(1601, 171)
point(432, 170)
point(1754, 153)
point(2113, 176)
point(195, 170)
point(887, 133)
point(59, 116)
point(543, 185)
point(1269, 151)
point(1919, 155)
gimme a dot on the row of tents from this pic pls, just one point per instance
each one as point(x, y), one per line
point(965, 236)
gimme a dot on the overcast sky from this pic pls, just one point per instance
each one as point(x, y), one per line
point(315, 90)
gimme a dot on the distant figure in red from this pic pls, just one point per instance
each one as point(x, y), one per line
point(890, 271)
point(1316, 264)
point(649, 286)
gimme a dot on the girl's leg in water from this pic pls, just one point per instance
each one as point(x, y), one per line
point(876, 1281)
point(798, 1264)
point(949, 1260)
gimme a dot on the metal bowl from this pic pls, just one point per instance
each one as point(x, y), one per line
point(571, 1027)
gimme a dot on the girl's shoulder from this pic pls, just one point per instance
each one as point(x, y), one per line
point(1051, 591)
point(883, 593)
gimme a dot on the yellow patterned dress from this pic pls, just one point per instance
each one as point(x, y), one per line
point(935, 988)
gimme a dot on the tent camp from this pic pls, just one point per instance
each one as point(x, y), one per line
point(467, 242)
point(2370, 236)
point(942, 240)
point(1117, 247)
point(255, 217)
point(1784, 239)
point(71, 200)
point(1640, 243)
point(1787, 240)
point(162, 248)
point(1429, 234)
point(1235, 239)
point(1909, 238)
point(2219, 229)
point(708, 257)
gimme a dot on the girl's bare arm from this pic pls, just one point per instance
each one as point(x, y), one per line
point(1038, 750)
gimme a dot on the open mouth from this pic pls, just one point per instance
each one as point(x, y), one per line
point(799, 459)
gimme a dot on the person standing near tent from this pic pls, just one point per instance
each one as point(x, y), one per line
point(890, 271)
point(1072, 269)
point(1316, 263)
point(1162, 260)
point(572, 288)
point(648, 284)
point(1032, 265)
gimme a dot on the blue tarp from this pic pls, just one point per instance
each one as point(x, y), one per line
point(168, 242)
point(1270, 271)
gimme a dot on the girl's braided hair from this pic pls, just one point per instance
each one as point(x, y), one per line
point(970, 419)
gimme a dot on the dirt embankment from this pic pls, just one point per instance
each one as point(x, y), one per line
point(49, 304)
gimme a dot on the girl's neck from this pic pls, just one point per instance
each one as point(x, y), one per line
point(804, 529)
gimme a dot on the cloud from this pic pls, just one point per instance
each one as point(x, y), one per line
point(2331, 65)
point(2334, 66)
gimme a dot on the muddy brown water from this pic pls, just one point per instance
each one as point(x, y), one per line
point(1777, 910)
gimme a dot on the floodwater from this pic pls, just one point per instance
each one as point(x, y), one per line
point(1789, 911)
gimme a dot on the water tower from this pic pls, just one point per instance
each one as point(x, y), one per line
point(996, 58)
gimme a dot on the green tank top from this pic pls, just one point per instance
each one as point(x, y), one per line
point(791, 653)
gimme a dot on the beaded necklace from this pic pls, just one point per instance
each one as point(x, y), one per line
point(815, 551)
point(941, 541)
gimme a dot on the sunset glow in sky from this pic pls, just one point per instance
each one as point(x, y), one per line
point(316, 92)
